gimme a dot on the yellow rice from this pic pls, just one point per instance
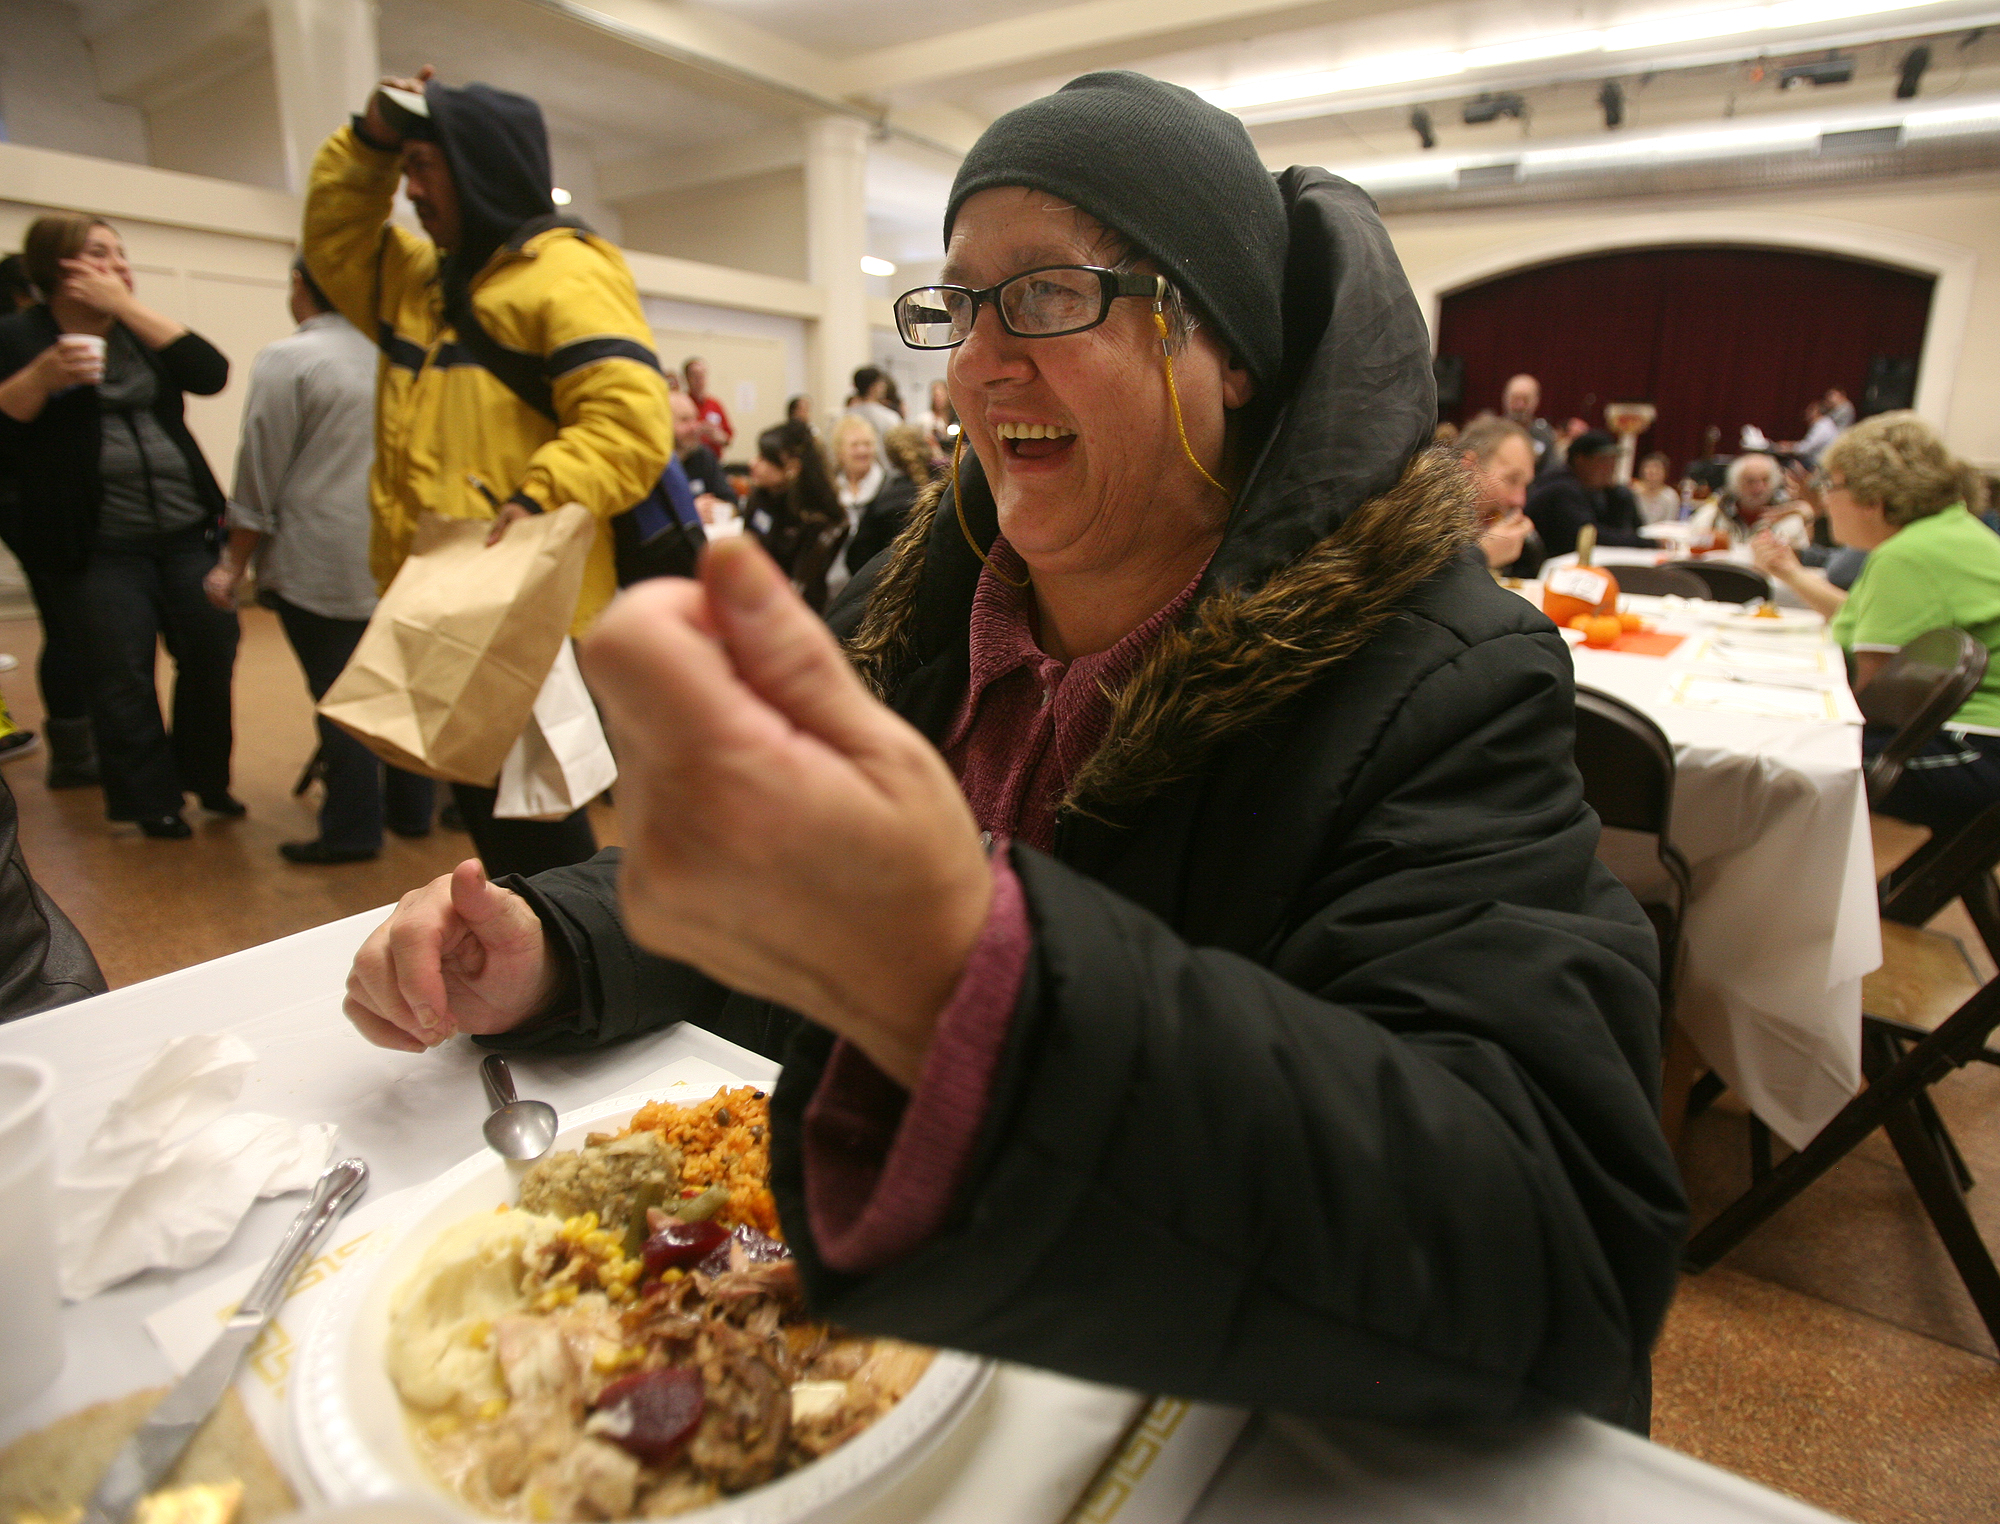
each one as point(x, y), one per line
point(735, 1154)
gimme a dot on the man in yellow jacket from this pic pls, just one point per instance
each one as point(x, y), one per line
point(517, 372)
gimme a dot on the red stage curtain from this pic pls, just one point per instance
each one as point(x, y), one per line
point(1723, 336)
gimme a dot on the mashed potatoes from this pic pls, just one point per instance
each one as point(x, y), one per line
point(441, 1353)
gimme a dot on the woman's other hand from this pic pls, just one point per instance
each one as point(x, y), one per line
point(1774, 557)
point(785, 833)
point(73, 360)
point(460, 954)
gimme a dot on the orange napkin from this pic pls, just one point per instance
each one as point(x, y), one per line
point(1646, 643)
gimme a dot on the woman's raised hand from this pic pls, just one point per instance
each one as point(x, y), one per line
point(785, 832)
point(1774, 557)
point(91, 285)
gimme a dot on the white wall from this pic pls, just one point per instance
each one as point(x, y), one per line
point(48, 87)
point(1946, 226)
point(757, 223)
point(228, 129)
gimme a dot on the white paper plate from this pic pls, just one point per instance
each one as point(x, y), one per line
point(350, 1424)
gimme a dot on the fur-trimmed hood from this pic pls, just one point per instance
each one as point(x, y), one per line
point(1342, 516)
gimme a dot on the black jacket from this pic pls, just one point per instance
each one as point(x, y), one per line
point(44, 960)
point(1332, 1083)
point(882, 519)
point(1560, 505)
point(54, 459)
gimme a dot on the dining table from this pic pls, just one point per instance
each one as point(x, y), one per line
point(411, 1117)
point(1770, 810)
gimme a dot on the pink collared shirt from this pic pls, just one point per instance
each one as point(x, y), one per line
point(882, 1165)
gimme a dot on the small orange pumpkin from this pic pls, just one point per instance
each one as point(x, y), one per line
point(1582, 588)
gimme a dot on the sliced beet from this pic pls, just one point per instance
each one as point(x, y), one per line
point(682, 1244)
point(650, 1415)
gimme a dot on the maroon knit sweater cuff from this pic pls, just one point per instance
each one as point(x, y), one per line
point(883, 1165)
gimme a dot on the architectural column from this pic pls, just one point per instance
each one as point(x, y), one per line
point(836, 238)
point(326, 60)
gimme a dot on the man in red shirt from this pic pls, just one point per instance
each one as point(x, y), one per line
point(715, 429)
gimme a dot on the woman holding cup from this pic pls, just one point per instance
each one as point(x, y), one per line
point(117, 509)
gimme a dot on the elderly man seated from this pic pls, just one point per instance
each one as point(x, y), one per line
point(1754, 502)
point(1176, 906)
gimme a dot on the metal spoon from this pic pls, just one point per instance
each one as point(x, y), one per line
point(517, 1129)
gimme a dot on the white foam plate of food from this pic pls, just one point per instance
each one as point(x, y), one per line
point(613, 1332)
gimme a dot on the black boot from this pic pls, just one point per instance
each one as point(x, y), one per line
point(72, 753)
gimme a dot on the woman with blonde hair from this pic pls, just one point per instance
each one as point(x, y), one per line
point(1894, 490)
point(121, 509)
point(875, 491)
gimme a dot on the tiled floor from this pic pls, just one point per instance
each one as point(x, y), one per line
point(1834, 1355)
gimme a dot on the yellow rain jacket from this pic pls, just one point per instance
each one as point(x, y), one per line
point(442, 420)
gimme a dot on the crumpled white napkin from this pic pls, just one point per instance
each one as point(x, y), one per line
point(167, 1176)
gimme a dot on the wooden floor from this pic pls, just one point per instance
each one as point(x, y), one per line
point(1834, 1355)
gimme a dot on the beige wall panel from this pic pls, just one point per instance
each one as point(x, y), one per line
point(239, 316)
point(228, 129)
point(1957, 219)
point(755, 224)
point(748, 374)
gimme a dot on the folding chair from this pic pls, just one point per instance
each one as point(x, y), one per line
point(1909, 1043)
point(1920, 688)
point(1727, 582)
point(1627, 764)
point(1660, 582)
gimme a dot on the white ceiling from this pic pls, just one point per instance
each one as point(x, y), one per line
point(843, 28)
point(670, 86)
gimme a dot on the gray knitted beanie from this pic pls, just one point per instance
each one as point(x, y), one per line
point(1177, 177)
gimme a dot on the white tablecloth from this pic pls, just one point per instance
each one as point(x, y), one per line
point(1772, 817)
point(411, 1117)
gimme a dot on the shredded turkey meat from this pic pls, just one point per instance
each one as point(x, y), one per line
point(649, 1366)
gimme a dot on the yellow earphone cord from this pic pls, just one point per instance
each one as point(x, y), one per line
point(1180, 428)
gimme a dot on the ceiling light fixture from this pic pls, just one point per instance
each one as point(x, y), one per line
point(1395, 70)
point(870, 265)
point(1657, 32)
point(560, 196)
point(1910, 72)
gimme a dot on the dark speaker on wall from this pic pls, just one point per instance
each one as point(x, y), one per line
point(1449, 373)
point(1892, 385)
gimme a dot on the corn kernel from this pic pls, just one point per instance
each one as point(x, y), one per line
point(539, 1507)
point(442, 1426)
point(480, 1334)
point(675, 1274)
point(604, 1358)
point(492, 1408)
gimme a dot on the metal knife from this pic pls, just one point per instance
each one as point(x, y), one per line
point(150, 1454)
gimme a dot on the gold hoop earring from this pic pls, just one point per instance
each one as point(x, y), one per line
point(958, 507)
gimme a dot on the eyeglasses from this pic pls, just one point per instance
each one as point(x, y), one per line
point(1036, 304)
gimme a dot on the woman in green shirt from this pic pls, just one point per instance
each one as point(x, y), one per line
point(1892, 489)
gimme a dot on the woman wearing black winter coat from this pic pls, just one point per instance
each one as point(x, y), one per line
point(116, 496)
point(792, 510)
point(1287, 1046)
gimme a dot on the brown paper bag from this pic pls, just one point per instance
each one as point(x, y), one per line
point(446, 673)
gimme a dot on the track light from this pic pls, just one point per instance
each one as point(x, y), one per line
point(1612, 99)
point(1830, 70)
point(1420, 124)
point(1911, 71)
point(1489, 108)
